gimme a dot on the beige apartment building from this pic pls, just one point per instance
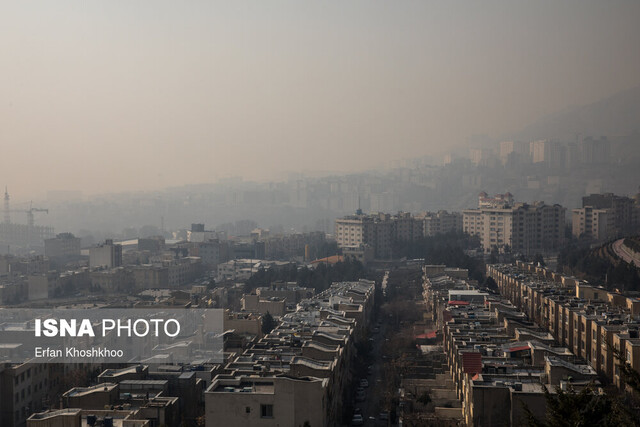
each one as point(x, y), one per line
point(267, 401)
point(596, 224)
point(606, 216)
point(524, 228)
point(440, 222)
point(379, 231)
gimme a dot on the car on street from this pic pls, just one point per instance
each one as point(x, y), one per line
point(357, 420)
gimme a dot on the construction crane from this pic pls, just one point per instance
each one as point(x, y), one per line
point(30, 212)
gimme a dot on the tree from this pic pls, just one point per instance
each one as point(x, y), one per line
point(424, 398)
point(490, 284)
point(584, 408)
point(539, 259)
point(268, 323)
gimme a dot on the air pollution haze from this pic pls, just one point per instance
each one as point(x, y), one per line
point(118, 96)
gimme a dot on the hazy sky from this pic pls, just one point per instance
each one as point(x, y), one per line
point(113, 95)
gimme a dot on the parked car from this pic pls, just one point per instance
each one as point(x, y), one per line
point(384, 416)
point(364, 383)
point(360, 396)
point(357, 420)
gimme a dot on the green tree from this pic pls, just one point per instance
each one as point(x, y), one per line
point(586, 407)
point(268, 323)
point(424, 398)
point(539, 259)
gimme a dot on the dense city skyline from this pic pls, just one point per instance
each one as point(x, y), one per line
point(113, 97)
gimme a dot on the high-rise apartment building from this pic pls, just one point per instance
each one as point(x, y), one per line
point(440, 222)
point(605, 216)
point(552, 153)
point(592, 223)
point(379, 231)
point(524, 228)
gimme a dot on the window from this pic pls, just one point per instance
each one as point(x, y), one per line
point(266, 411)
point(248, 409)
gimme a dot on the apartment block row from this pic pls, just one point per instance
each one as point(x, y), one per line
point(299, 373)
point(381, 231)
point(133, 396)
point(587, 319)
point(498, 359)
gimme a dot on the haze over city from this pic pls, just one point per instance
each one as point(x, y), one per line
point(320, 214)
point(112, 96)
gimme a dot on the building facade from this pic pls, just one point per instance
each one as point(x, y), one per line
point(520, 228)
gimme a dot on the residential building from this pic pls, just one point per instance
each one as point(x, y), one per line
point(605, 216)
point(62, 246)
point(588, 319)
point(520, 228)
point(107, 255)
point(300, 373)
point(440, 222)
point(380, 231)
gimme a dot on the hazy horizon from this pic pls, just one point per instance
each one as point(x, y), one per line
point(114, 96)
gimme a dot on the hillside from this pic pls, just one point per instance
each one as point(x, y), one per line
point(618, 114)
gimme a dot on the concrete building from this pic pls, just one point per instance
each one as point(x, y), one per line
point(499, 357)
point(300, 372)
point(76, 417)
point(273, 401)
point(255, 304)
point(594, 224)
point(551, 153)
point(198, 234)
point(522, 228)
point(64, 245)
point(107, 255)
point(380, 231)
point(606, 216)
point(595, 151)
point(23, 388)
point(440, 222)
point(150, 276)
point(243, 323)
point(587, 319)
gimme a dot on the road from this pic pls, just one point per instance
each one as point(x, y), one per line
point(624, 253)
point(371, 406)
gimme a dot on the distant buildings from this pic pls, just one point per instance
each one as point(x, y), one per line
point(107, 255)
point(606, 216)
point(64, 245)
point(519, 228)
